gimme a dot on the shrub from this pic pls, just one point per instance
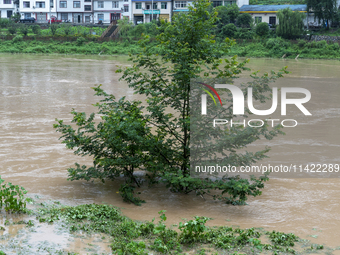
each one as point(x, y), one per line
point(23, 29)
point(4, 23)
point(244, 20)
point(67, 29)
point(139, 30)
point(36, 29)
point(80, 41)
point(262, 29)
point(277, 42)
point(321, 44)
point(229, 30)
point(54, 28)
point(12, 29)
point(301, 43)
point(244, 33)
point(17, 38)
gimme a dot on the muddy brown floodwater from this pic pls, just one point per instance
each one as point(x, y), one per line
point(34, 90)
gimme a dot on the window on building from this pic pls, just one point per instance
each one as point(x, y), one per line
point(63, 4)
point(76, 4)
point(154, 6)
point(100, 4)
point(272, 20)
point(115, 4)
point(26, 4)
point(87, 19)
point(126, 8)
point(9, 13)
point(40, 5)
point(87, 0)
point(164, 5)
point(217, 3)
point(51, 4)
point(87, 7)
point(180, 4)
point(101, 17)
point(138, 5)
point(7, 1)
point(126, 0)
point(27, 15)
point(64, 16)
point(258, 19)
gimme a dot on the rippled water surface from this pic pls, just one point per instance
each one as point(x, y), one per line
point(34, 90)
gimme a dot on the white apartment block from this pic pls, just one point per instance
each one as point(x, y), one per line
point(8, 8)
point(108, 10)
point(146, 11)
point(41, 10)
point(94, 11)
point(75, 11)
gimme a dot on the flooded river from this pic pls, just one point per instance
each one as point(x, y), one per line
point(34, 90)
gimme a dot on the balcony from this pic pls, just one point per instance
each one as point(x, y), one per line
point(154, 11)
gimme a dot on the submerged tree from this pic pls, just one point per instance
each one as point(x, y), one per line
point(290, 23)
point(158, 141)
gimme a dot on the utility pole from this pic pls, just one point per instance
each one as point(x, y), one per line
point(50, 12)
point(151, 10)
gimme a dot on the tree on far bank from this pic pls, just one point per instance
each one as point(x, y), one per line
point(233, 11)
point(245, 20)
point(324, 10)
point(262, 29)
point(290, 23)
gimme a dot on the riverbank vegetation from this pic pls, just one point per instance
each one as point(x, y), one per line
point(252, 41)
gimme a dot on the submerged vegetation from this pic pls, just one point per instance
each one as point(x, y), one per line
point(131, 237)
point(12, 197)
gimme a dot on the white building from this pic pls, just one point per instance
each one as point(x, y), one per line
point(75, 11)
point(142, 10)
point(108, 11)
point(41, 10)
point(182, 6)
point(8, 8)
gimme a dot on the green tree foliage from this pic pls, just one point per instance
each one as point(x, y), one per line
point(12, 29)
point(324, 10)
point(23, 29)
point(67, 29)
point(54, 28)
point(290, 23)
point(5, 22)
point(223, 18)
point(262, 29)
point(157, 138)
point(36, 29)
point(245, 20)
point(233, 11)
point(229, 30)
point(16, 17)
point(117, 143)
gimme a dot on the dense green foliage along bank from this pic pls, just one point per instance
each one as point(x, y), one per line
point(272, 48)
